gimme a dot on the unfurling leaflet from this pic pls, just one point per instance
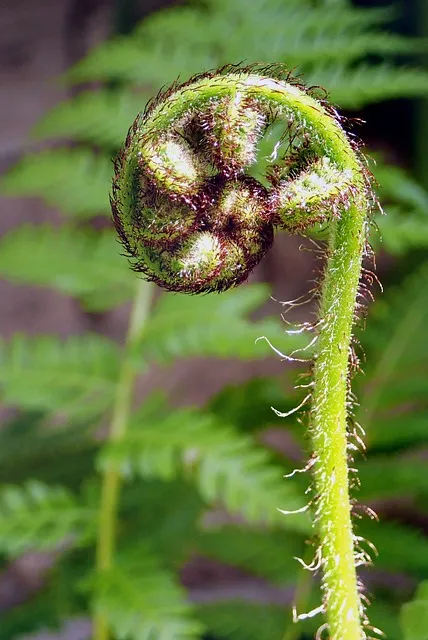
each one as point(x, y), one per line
point(185, 208)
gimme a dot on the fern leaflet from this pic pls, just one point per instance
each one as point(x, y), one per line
point(100, 117)
point(184, 326)
point(85, 264)
point(142, 601)
point(259, 552)
point(74, 180)
point(77, 376)
point(231, 619)
point(364, 84)
point(395, 401)
point(38, 517)
point(224, 465)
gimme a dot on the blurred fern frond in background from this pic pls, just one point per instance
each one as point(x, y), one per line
point(203, 482)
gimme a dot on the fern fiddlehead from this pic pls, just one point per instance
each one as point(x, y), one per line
point(193, 220)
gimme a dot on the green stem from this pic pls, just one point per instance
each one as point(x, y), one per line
point(329, 425)
point(111, 480)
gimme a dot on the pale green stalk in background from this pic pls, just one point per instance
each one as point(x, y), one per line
point(111, 479)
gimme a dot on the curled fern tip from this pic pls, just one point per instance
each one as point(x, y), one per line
point(187, 212)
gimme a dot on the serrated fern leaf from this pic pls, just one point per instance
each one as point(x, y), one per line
point(225, 465)
point(240, 301)
point(405, 203)
point(100, 117)
point(395, 402)
point(399, 548)
point(240, 620)
point(82, 263)
point(167, 26)
point(76, 376)
point(216, 339)
point(340, 48)
point(141, 601)
point(74, 180)
point(127, 59)
point(119, 58)
point(305, 48)
point(248, 404)
point(184, 326)
point(170, 518)
point(384, 477)
point(395, 184)
point(31, 445)
point(260, 552)
point(400, 230)
point(39, 517)
point(355, 87)
point(180, 41)
point(251, 620)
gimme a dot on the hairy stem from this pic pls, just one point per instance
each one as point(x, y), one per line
point(111, 480)
point(217, 229)
point(329, 424)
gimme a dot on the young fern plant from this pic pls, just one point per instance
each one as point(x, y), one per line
point(194, 220)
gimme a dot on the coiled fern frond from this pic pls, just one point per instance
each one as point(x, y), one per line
point(193, 221)
point(183, 203)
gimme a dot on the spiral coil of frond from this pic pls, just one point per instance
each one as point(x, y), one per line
point(183, 203)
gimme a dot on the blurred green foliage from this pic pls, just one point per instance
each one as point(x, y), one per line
point(183, 465)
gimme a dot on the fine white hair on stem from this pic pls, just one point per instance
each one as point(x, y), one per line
point(294, 511)
point(280, 414)
point(320, 631)
point(283, 356)
point(297, 617)
point(315, 564)
point(304, 470)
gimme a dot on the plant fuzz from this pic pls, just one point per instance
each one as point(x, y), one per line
point(193, 220)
